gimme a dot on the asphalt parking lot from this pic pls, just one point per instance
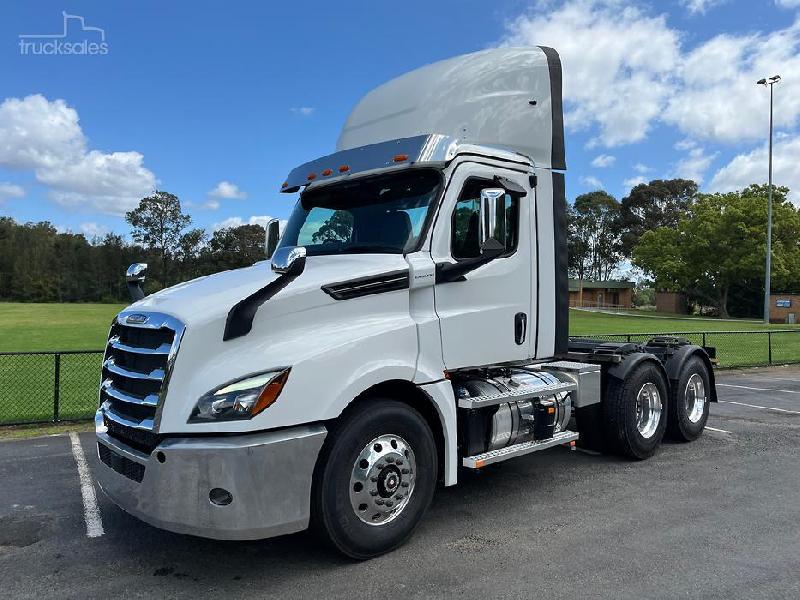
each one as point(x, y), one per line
point(718, 518)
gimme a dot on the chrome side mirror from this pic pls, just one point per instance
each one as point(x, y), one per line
point(490, 197)
point(135, 276)
point(273, 236)
point(289, 260)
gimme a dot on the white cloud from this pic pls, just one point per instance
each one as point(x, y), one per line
point(603, 160)
point(46, 137)
point(752, 167)
point(633, 181)
point(591, 181)
point(92, 229)
point(788, 3)
point(718, 99)
point(227, 190)
point(694, 165)
point(10, 190)
point(700, 6)
point(625, 70)
point(238, 222)
point(303, 111)
point(617, 64)
point(642, 168)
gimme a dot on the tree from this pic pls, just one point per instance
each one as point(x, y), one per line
point(234, 247)
point(648, 206)
point(158, 223)
point(720, 242)
point(594, 235)
point(337, 228)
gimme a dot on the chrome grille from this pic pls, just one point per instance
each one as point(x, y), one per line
point(138, 360)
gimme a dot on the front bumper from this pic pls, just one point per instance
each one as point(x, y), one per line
point(268, 475)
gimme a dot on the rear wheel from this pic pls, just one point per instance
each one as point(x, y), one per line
point(635, 412)
point(688, 407)
point(375, 479)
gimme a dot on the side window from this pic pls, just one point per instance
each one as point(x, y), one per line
point(465, 242)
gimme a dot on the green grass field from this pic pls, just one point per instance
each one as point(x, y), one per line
point(29, 327)
point(27, 381)
point(583, 322)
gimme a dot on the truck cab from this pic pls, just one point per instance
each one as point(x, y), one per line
point(412, 322)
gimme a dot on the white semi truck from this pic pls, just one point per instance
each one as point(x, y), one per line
point(413, 323)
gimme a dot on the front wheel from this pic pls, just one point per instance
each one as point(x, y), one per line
point(688, 408)
point(375, 478)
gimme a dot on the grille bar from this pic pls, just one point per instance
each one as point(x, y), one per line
point(119, 419)
point(109, 390)
point(113, 367)
point(116, 344)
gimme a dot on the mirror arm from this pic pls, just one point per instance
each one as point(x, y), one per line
point(447, 272)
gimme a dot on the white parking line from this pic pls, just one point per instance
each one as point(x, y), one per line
point(793, 412)
point(717, 430)
point(755, 389)
point(796, 380)
point(91, 513)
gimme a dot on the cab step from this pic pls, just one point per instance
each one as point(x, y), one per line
point(525, 393)
point(492, 456)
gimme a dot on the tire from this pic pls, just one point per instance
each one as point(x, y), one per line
point(688, 406)
point(371, 458)
point(630, 431)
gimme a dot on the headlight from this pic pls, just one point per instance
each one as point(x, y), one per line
point(240, 399)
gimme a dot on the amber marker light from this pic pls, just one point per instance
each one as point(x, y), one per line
point(327, 172)
point(344, 169)
point(400, 157)
point(270, 393)
point(311, 176)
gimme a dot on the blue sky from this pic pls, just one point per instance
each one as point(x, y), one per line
point(217, 101)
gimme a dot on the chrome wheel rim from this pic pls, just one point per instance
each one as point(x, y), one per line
point(695, 397)
point(648, 410)
point(383, 479)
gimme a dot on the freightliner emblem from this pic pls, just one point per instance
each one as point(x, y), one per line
point(136, 319)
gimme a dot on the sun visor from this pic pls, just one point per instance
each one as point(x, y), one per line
point(504, 97)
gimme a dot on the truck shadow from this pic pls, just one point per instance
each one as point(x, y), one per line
point(493, 491)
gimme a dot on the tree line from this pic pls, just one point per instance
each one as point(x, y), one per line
point(40, 264)
point(711, 247)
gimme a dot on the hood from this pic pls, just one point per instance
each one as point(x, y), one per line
point(210, 298)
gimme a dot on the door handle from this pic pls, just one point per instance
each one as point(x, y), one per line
point(520, 327)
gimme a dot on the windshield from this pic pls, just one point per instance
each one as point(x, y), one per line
point(384, 214)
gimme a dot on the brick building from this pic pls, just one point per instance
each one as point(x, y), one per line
point(600, 294)
point(784, 308)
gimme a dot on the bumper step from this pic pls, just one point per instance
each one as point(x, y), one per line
point(492, 456)
point(516, 395)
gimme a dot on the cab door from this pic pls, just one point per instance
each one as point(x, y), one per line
point(485, 316)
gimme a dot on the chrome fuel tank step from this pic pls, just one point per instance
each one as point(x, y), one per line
point(492, 456)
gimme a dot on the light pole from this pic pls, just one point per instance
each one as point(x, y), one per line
point(769, 82)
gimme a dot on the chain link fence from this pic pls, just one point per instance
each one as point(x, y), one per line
point(734, 348)
point(40, 387)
